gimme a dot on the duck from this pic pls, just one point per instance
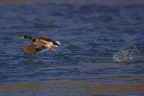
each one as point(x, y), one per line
point(39, 44)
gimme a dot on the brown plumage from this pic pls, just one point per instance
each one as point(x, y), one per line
point(43, 38)
point(39, 44)
point(29, 49)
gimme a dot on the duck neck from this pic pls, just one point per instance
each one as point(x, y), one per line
point(28, 37)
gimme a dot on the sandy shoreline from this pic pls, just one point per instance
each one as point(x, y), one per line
point(76, 1)
point(67, 87)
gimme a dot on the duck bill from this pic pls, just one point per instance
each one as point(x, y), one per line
point(21, 36)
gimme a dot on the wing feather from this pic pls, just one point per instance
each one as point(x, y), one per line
point(29, 49)
point(39, 44)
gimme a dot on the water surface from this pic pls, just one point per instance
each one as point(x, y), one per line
point(86, 64)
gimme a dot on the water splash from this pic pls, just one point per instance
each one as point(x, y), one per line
point(130, 54)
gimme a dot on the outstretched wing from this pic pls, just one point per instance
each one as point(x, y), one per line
point(29, 49)
point(39, 44)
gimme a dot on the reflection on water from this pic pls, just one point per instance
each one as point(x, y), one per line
point(91, 35)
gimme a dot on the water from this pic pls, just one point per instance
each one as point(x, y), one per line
point(87, 63)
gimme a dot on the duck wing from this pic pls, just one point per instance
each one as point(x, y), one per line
point(29, 49)
point(34, 48)
point(39, 44)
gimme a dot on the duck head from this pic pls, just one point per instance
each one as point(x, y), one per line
point(26, 37)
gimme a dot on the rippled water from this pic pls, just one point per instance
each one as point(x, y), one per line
point(101, 52)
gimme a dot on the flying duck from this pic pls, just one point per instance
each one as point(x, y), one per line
point(39, 44)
